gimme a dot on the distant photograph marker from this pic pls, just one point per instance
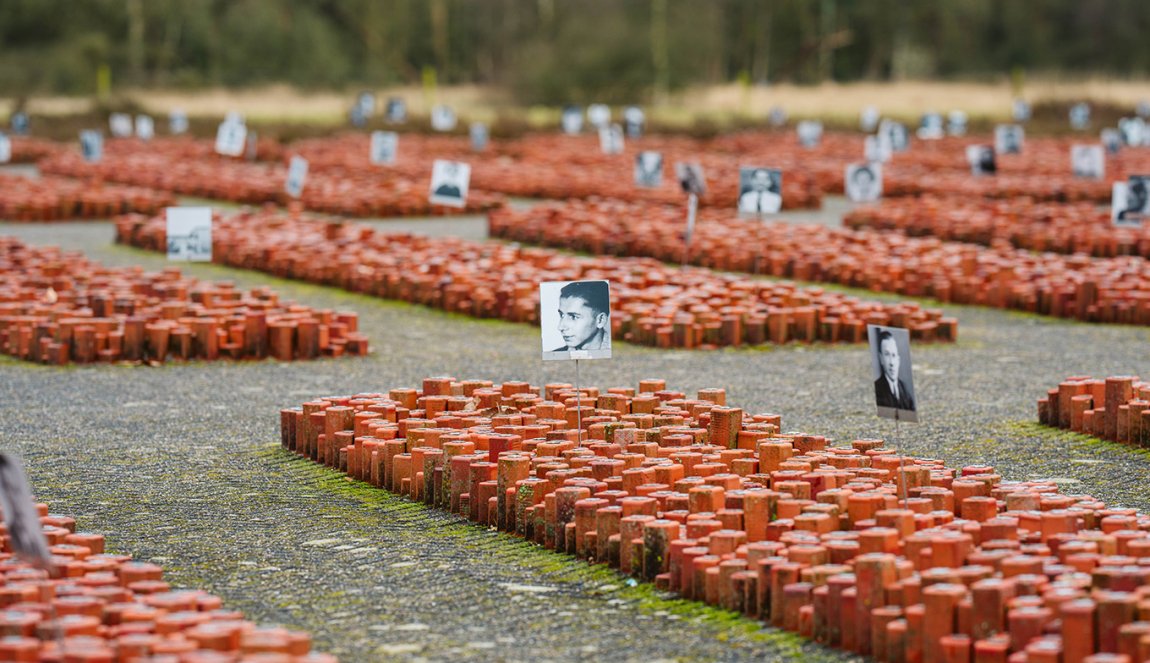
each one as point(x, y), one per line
point(611, 139)
point(810, 133)
point(599, 115)
point(396, 111)
point(231, 138)
point(571, 120)
point(479, 136)
point(982, 159)
point(863, 182)
point(649, 169)
point(1088, 161)
point(1008, 139)
point(443, 118)
point(930, 127)
point(449, 183)
point(634, 121)
point(189, 233)
point(91, 145)
point(120, 124)
point(145, 127)
point(760, 190)
point(384, 147)
point(177, 122)
point(296, 176)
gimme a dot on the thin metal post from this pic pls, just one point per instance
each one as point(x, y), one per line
point(578, 406)
point(901, 461)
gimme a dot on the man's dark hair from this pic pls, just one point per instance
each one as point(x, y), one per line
point(886, 335)
point(595, 293)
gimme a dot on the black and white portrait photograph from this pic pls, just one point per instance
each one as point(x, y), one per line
point(231, 138)
point(120, 124)
point(897, 134)
point(189, 233)
point(479, 136)
point(449, 182)
point(956, 123)
point(365, 104)
point(296, 176)
point(25, 531)
point(649, 169)
point(930, 127)
point(691, 179)
point(864, 182)
point(891, 372)
point(396, 110)
point(877, 148)
point(1130, 201)
point(633, 121)
point(1111, 140)
point(571, 120)
point(1132, 130)
point(92, 145)
point(18, 123)
point(384, 147)
point(760, 190)
point(1088, 161)
point(981, 159)
point(5, 148)
point(810, 132)
point(177, 122)
point(611, 139)
point(442, 118)
point(575, 319)
point(1020, 110)
point(1080, 116)
point(145, 127)
point(868, 118)
point(599, 115)
point(1008, 139)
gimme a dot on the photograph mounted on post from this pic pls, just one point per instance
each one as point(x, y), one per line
point(575, 319)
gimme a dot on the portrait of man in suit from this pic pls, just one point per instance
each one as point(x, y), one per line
point(449, 183)
point(760, 191)
point(893, 385)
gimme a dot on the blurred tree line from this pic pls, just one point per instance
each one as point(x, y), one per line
point(555, 51)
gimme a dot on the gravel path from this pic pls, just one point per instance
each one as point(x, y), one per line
point(180, 465)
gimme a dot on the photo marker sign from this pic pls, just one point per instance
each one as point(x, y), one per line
point(891, 372)
point(231, 138)
point(189, 233)
point(575, 319)
point(296, 176)
point(449, 183)
point(384, 146)
point(26, 534)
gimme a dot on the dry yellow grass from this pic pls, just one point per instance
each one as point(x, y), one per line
point(836, 102)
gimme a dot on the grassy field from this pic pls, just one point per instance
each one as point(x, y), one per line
point(724, 105)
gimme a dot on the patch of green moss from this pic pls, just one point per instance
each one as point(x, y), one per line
point(538, 562)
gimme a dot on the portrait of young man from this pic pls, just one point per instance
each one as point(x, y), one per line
point(760, 191)
point(864, 182)
point(575, 319)
point(1088, 161)
point(449, 183)
point(649, 169)
point(891, 367)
